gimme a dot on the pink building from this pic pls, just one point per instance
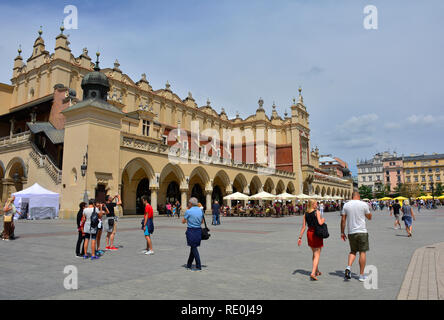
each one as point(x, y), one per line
point(393, 172)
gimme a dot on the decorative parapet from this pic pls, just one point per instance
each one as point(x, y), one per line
point(132, 142)
point(15, 139)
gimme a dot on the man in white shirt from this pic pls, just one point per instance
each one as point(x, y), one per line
point(353, 214)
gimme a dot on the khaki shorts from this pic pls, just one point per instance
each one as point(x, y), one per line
point(358, 242)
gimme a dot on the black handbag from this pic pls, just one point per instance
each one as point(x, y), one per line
point(205, 231)
point(321, 231)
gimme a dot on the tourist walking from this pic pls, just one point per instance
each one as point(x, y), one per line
point(9, 211)
point(313, 218)
point(216, 213)
point(81, 236)
point(407, 216)
point(353, 215)
point(91, 218)
point(194, 218)
point(396, 207)
point(111, 221)
point(148, 225)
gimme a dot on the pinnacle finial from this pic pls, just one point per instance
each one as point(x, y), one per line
point(40, 31)
point(19, 50)
point(97, 68)
point(261, 103)
point(167, 85)
point(62, 28)
point(208, 102)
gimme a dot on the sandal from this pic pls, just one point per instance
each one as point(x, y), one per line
point(319, 273)
point(313, 278)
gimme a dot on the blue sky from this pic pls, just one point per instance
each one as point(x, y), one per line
point(366, 90)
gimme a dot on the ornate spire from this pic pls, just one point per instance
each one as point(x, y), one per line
point(167, 86)
point(301, 99)
point(40, 31)
point(19, 51)
point(97, 68)
point(261, 104)
point(62, 28)
point(116, 65)
point(208, 102)
point(222, 111)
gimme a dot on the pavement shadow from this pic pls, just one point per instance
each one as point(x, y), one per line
point(402, 235)
point(300, 271)
point(193, 266)
point(341, 274)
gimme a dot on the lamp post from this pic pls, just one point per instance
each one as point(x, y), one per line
point(83, 169)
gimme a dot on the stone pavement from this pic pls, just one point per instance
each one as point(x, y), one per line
point(245, 258)
point(424, 279)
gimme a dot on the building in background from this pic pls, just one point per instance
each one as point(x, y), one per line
point(393, 172)
point(334, 166)
point(424, 170)
point(371, 172)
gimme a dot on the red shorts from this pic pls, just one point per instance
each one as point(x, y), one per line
point(313, 240)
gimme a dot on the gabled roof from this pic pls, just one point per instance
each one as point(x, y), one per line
point(56, 136)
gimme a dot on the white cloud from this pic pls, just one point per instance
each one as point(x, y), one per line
point(424, 119)
point(392, 125)
point(356, 132)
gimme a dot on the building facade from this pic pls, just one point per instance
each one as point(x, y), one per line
point(371, 171)
point(334, 166)
point(85, 132)
point(393, 172)
point(424, 170)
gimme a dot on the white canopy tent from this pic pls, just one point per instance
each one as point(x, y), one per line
point(236, 196)
point(40, 203)
point(263, 196)
point(286, 196)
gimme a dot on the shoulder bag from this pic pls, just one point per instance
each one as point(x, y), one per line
point(205, 231)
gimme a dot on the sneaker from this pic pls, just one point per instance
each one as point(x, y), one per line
point(196, 270)
point(347, 274)
point(113, 248)
point(144, 251)
point(95, 257)
point(108, 248)
point(362, 278)
point(79, 256)
point(150, 252)
point(85, 256)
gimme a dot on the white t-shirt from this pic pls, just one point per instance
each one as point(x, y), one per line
point(355, 211)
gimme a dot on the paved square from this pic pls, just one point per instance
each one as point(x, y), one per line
point(246, 258)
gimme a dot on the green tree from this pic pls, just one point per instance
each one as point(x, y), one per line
point(365, 192)
point(439, 190)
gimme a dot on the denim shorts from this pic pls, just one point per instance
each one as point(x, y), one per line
point(146, 233)
point(92, 236)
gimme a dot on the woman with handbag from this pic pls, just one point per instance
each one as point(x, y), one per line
point(313, 219)
point(194, 219)
point(407, 216)
point(8, 219)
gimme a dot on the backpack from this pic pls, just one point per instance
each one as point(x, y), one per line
point(94, 219)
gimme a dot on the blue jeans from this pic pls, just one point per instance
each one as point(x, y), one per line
point(216, 219)
point(194, 255)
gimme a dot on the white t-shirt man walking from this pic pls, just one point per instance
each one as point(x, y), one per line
point(353, 215)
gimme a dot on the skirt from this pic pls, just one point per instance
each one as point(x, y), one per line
point(194, 236)
point(313, 240)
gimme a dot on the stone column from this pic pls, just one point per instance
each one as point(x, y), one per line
point(154, 200)
point(11, 129)
point(208, 201)
point(184, 201)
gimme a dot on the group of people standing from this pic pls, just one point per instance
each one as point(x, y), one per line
point(92, 218)
point(173, 209)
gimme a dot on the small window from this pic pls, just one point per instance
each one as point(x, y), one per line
point(146, 128)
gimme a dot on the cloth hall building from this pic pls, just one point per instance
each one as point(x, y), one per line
point(84, 132)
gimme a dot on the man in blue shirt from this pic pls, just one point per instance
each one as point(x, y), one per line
point(216, 213)
point(194, 218)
